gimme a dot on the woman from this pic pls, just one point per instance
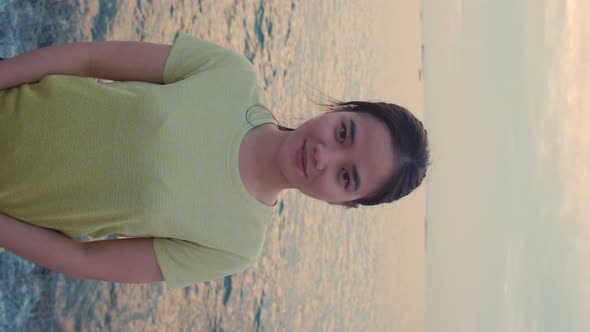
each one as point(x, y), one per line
point(180, 154)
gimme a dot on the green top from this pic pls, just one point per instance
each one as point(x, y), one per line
point(142, 160)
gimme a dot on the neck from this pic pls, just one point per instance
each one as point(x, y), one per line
point(261, 167)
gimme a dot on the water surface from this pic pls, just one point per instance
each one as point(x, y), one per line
point(323, 268)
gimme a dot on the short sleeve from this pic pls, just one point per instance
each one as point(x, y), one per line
point(190, 55)
point(185, 263)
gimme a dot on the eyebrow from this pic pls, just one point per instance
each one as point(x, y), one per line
point(355, 174)
point(357, 180)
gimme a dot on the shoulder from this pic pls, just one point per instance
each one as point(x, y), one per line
point(185, 263)
point(191, 55)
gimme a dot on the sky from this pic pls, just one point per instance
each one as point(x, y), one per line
point(506, 94)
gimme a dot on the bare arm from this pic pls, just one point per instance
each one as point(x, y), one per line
point(127, 260)
point(115, 60)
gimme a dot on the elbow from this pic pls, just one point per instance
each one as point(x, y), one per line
point(79, 265)
point(89, 66)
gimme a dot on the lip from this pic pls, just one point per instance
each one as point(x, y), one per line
point(301, 158)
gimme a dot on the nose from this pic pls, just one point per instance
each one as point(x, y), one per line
point(324, 156)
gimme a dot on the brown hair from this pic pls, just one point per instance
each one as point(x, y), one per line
point(410, 145)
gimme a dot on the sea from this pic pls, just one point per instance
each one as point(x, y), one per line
point(507, 105)
point(323, 268)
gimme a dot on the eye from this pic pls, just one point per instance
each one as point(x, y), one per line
point(345, 177)
point(342, 134)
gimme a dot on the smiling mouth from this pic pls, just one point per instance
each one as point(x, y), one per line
point(304, 158)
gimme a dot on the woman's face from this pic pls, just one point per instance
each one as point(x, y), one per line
point(338, 157)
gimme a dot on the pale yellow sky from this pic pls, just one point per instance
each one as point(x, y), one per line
point(575, 147)
point(508, 195)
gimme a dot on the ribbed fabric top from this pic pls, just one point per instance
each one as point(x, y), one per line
point(141, 159)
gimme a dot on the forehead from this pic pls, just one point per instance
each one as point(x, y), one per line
point(374, 156)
